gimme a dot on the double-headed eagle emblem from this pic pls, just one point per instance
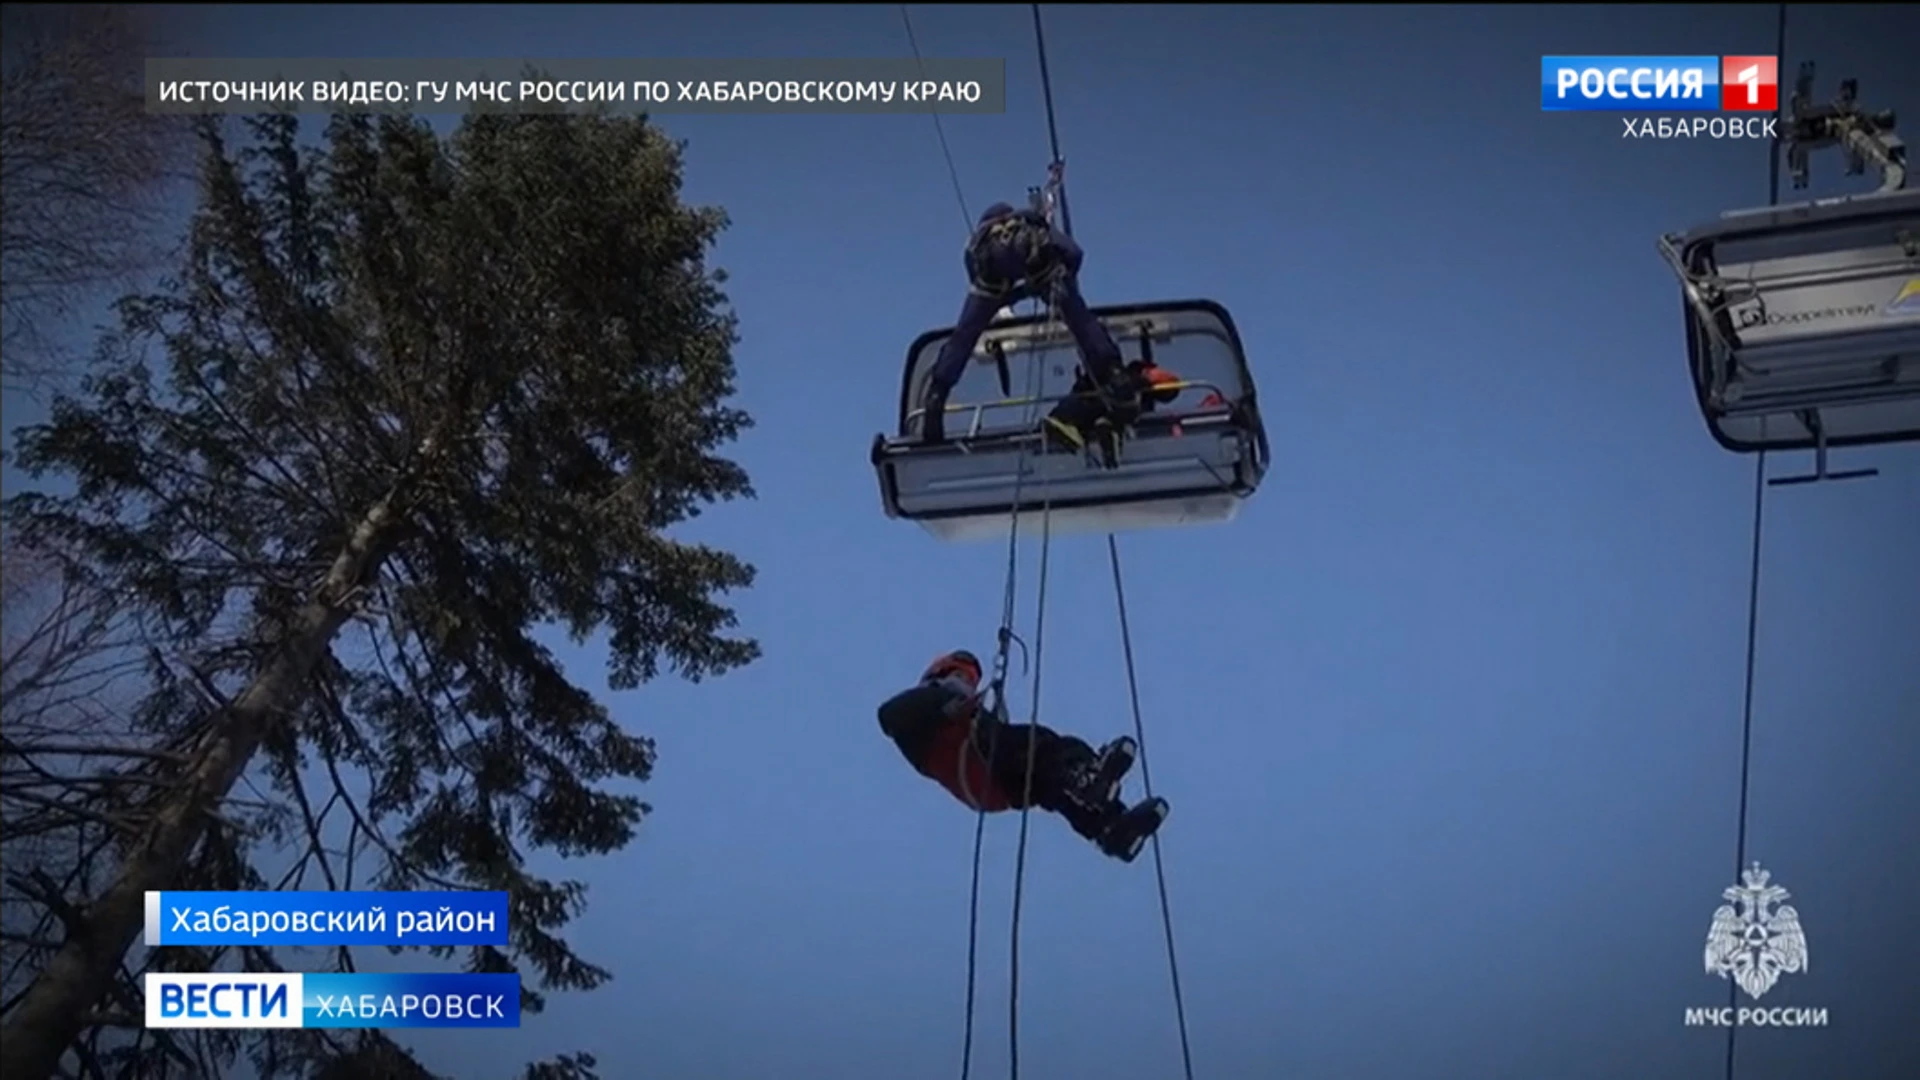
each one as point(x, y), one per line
point(1755, 938)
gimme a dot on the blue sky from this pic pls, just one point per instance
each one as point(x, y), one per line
point(1449, 718)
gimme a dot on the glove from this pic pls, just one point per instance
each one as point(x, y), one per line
point(962, 707)
point(962, 698)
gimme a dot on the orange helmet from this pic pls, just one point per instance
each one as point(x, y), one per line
point(1157, 382)
point(960, 662)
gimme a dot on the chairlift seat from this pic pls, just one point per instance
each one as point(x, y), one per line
point(1187, 462)
point(1803, 322)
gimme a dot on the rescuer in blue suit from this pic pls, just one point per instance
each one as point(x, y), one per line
point(1016, 255)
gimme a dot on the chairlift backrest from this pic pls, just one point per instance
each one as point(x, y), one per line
point(1195, 339)
point(1803, 322)
point(1191, 461)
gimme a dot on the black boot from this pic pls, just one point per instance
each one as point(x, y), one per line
point(1120, 397)
point(1108, 438)
point(1127, 832)
point(1092, 820)
point(1093, 790)
point(1099, 781)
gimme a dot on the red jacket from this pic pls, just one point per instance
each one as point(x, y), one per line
point(955, 763)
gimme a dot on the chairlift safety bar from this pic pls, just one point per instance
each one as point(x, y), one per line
point(979, 408)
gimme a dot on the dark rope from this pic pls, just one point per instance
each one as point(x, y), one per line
point(946, 151)
point(1146, 782)
point(1053, 126)
point(973, 943)
point(1126, 632)
point(1033, 730)
point(996, 706)
point(1753, 585)
point(997, 690)
point(1005, 639)
point(1026, 795)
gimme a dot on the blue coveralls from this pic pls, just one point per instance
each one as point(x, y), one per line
point(1016, 255)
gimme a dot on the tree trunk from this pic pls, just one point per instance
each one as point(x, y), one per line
point(53, 1011)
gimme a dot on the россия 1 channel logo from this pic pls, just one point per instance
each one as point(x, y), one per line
point(1660, 84)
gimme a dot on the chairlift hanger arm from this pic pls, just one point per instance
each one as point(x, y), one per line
point(1820, 473)
point(1863, 136)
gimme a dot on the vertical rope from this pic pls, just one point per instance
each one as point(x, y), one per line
point(973, 944)
point(1120, 597)
point(946, 150)
point(1004, 642)
point(1053, 126)
point(1146, 782)
point(1026, 795)
point(1008, 610)
point(1753, 586)
point(1033, 730)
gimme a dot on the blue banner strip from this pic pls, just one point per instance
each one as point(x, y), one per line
point(361, 1000)
point(326, 918)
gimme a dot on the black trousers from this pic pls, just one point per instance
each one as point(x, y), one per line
point(1097, 348)
point(1081, 409)
point(914, 719)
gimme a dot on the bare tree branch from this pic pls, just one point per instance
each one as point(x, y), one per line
point(84, 171)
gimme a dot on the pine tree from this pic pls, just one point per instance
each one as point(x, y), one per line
point(408, 400)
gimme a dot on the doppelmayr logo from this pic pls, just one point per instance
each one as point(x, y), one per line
point(1754, 316)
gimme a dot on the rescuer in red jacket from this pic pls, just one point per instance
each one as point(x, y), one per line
point(945, 734)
